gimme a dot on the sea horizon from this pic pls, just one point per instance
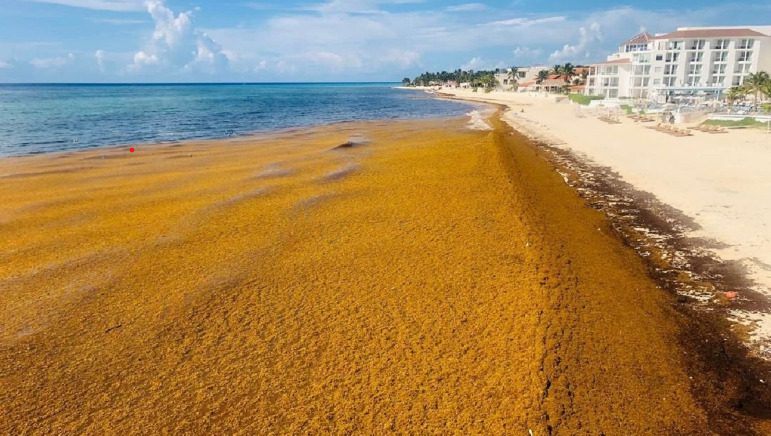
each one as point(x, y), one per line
point(195, 83)
point(40, 118)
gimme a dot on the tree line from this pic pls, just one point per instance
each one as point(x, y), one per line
point(487, 79)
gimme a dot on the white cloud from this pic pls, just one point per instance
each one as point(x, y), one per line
point(261, 66)
point(526, 52)
point(143, 59)
point(99, 55)
point(176, 44)
point(107, 5)
point(467, 7)
point(525, 22)
point(56, 62)
point(478, 64)
point(357, 6)
point(5, 65)
point(588, 39)
point(118, 21)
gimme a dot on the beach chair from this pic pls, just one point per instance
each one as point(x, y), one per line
point(717, 129)
point(681, 132)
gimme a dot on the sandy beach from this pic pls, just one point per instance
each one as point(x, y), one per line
point(422, 278)
point(720, 181)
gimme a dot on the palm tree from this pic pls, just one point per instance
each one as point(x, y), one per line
point(568, 70)
point(557, 69)
point(542, 75)
point(576, 81)
point(513, 71)
point(735, 93)
point(755, 84)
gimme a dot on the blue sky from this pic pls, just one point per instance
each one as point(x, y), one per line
point(323, 40)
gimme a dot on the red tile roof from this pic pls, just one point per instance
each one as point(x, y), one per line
point(642, 38)
point(710, 33)
point(615, 61)
point(526, 84)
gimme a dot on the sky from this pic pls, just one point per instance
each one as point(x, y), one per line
point(99, 41)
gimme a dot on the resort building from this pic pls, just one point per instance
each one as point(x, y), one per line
point(524, 75)
point(703, 61)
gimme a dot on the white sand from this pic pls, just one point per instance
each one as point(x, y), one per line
point(722, 181)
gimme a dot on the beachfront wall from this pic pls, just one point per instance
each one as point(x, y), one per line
point(704, 59)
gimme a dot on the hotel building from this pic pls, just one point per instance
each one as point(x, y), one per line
point(701, 61)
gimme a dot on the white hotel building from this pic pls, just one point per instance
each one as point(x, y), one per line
point(701, 61)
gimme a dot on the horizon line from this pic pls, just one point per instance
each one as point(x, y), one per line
point(193, 83)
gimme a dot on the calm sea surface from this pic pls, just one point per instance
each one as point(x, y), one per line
point(46, 118)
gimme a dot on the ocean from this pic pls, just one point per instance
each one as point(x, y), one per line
point(47, 118)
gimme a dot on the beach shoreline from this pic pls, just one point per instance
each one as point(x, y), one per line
point(379, 275)
point(698, 239)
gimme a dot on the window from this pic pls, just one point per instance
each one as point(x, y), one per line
point(657, 70)
point(659, 57)
point(656, 82)
point(670, 70)
point(693, 81)
point(737, 81)
point(697, 44)
point(721, 56)
point(721, 44)
point(640, 82)
point(635, 47)
point(641, 70)
point(742, 68)
point(718, 69)
point(696, 57)
point(669, 81)
point(744, 56)
point(746, 43)
point(609, 70)
point(694, 69)
point(718, 80)
point(613, 93)
point(672, 57)
point(675, 45)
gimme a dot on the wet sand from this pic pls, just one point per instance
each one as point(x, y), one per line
point(434, 280)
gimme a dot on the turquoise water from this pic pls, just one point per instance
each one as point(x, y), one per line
point(46, 118)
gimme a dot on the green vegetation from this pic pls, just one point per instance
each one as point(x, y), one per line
point(584, 99)
point(746, 122)
point(487, 79)
point(756, 84)
point(475, 78)
point(627, 108)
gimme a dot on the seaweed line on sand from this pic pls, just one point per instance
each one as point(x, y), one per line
point(680, 264)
